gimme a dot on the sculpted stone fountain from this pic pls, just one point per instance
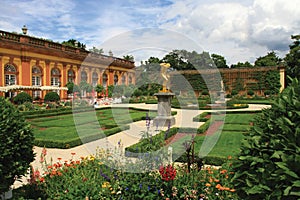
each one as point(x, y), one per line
point(164, 117)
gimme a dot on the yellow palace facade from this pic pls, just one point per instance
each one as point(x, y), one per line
point(38, 66)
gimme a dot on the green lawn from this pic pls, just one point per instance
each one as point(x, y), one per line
point(230, 136)
point(224, 141)
point(61, 132)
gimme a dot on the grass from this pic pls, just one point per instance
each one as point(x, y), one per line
point(62, 129)
point(229, 141)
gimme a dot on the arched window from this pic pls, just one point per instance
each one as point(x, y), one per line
point(36, 80)
point(83, 76)
point(123, 80)
point(36, 76)
point(10, 74)
point(104, 80)
point(94, 79)
point(71, 75)
point(55, 77)
point(130, 80)
point(116, 79)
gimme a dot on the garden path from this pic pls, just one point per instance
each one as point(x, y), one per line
point(184, 118)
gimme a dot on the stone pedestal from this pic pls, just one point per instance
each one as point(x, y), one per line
point(221, 99)
point(164, 117)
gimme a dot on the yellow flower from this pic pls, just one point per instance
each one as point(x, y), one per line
point(105, 185)
point(91, 157)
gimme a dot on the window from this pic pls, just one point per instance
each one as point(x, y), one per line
point(83, 76)
point(123, 80)
point(94, 79)
point(10, 74)
point(104, 80)
point(36, 76)
point(116, 79)
point(55, 77)
point(36, 80)
point(71, 76)
point(130, 80)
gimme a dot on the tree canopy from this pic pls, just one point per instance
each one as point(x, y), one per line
point(271, 59)
point(292, 59)
point(74, 43)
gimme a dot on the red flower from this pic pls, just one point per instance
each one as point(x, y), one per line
point(167, 173)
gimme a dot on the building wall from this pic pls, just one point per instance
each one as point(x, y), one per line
point(24, 52)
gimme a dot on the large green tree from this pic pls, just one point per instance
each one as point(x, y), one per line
point(292, 59)
point(219, 61)
point(242, 65)
point(268, 165)
point(74, 43)
point(271, 59)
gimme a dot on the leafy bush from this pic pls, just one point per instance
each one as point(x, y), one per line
point(250, 92)
point(268, 165)
point(16, 145)
point(52, 97)
point(234, 92)
point(22, 98)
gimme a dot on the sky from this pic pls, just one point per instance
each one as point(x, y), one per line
point(238, 30)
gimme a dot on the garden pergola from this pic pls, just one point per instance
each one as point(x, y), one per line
point(25, 87)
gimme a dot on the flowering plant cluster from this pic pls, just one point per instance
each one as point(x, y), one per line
point(167, 173)
point(100, 177)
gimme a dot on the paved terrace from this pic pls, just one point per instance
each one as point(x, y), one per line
point(184, 118)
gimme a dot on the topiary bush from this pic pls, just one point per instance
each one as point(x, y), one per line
point(16, 145)
point(268, 166)
point(22, 98)
point(51, 97)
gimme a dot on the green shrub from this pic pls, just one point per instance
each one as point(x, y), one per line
point(16, 145)
point(22, 98)
point(51, 97)
point(250, 92)
point(205, 92)
point(234, 92)
point(201, 118)
point(268, 165)
point(204, 127)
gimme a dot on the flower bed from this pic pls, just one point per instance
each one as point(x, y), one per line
point(90, 178)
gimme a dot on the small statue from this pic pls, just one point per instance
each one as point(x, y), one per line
point(165, 75)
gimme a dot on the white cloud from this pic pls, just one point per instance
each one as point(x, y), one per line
point(238, 30)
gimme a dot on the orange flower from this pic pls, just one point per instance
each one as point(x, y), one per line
point(42, 179)
point(207, 184)
point(229, 157)
point(223, 171)
point(218, 186)
point(44, 151)
point(232, 190)
point(59, 173)
point(53, 172)
point(217, 180)
point(59, 158)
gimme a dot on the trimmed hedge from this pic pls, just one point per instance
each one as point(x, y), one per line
point(201, 117)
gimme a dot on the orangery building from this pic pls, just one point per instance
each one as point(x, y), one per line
point(38, 66)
